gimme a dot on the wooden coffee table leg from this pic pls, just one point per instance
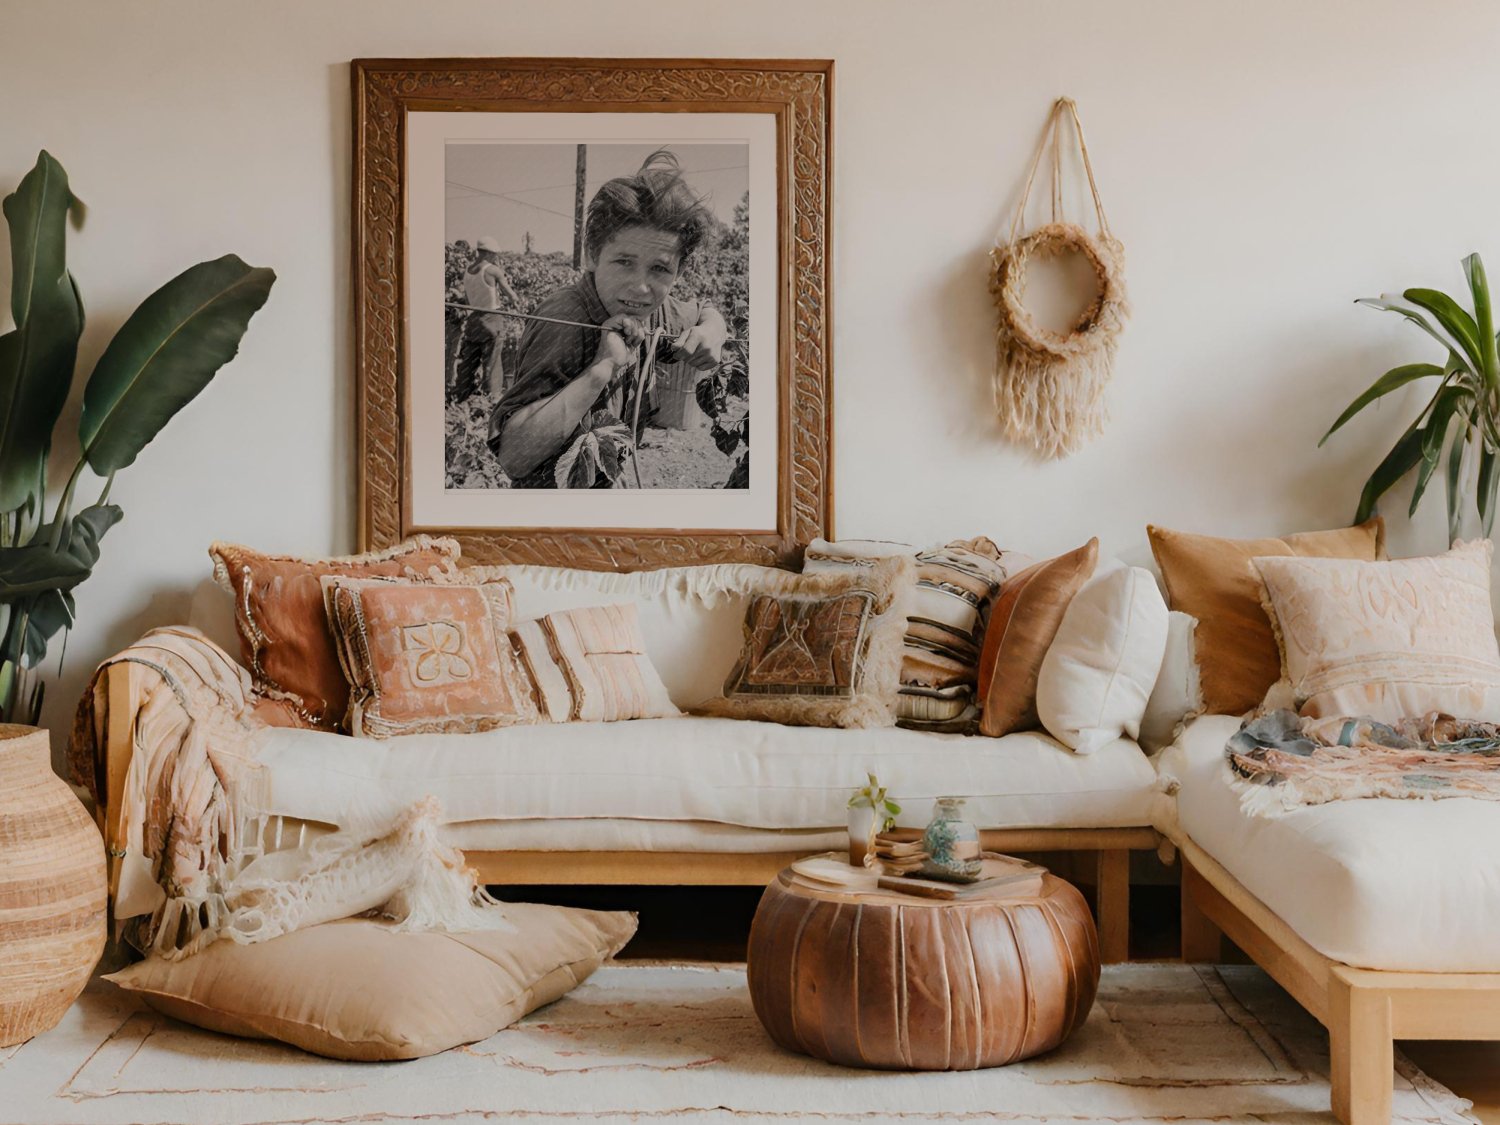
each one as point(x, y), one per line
point(1112, 885)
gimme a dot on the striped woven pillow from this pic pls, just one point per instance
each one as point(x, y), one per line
point(945, 628)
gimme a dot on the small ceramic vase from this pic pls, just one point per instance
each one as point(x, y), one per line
point(861, 832)
point(951, 843)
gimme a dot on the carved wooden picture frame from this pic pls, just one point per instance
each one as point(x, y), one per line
point(405, 110)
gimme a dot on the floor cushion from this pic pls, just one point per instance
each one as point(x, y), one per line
point(356, 990)
point(1376, 883)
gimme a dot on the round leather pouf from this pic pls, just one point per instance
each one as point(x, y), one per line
point(889, 980)
point(52, 889)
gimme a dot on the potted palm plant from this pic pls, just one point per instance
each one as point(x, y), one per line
point(1457, 427)
point(162, 356)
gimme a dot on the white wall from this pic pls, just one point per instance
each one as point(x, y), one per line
point(1264, 164)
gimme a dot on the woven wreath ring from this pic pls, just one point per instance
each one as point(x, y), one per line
point(1102, 317)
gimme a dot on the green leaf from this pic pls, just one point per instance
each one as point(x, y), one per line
point(1488, 479)
point(1393, 379)
point(35, 568)
point(1484, 316)
point(1390, 302)
point(1455, 475)
point(166, 353)
point(1454, 319)
point(82, 535)
point(1402, 458)
point(1446, 403)
point(37, 356)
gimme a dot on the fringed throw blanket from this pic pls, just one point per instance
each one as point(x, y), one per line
point(191, 841)
point(1280, 761)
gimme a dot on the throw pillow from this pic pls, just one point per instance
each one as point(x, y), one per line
point(956, 584)
point(1177, 695)
point(1213, 580)
point(285, 640)
point(424, 657)
point(590, 665)
point(1026, 617)
point(355, 990)
point(1099, 670)
point(1388, 640)
point(823, 649)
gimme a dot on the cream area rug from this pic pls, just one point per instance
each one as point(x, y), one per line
point(644, 1042)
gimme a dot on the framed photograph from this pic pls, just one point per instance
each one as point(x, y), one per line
point(592, 307)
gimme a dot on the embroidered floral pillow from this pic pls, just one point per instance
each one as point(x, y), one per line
point(427, 657)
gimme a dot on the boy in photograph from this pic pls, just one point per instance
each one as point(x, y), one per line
point(572, 382)
point(484, 282)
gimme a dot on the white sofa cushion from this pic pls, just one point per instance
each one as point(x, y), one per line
point(1377, 883)
point(1101, 665)
point(731, 771)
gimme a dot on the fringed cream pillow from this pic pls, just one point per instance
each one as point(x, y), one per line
point(823, 649)
point(1388, 640)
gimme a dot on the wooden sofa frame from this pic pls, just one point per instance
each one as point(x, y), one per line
point(1364, 1010)
point(1111, 846)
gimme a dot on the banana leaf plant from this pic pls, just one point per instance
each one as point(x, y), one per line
point(1457, 427)
point(164, 354)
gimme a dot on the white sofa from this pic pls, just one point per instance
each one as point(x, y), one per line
point(1379, 915)
point(690, 800)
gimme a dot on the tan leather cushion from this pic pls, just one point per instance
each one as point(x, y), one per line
point(285, 640)
point(1022, 624)
point(426, 656)
point(1214, 580)
point(355, 990)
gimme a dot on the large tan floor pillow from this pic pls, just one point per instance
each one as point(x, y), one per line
point(357, 990)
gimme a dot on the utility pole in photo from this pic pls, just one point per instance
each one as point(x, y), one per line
point(578, 207)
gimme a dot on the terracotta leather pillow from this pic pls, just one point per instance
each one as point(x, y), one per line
point(356, 990)
point(1023, 622)
point(427, 657)
point(1214, 580)
point(285, 640)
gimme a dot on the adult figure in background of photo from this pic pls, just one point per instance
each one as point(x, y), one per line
point(478, 352)
point(573, 383)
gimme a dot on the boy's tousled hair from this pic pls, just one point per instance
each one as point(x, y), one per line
point(657, 196)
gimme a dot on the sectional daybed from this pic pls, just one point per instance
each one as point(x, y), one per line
point(689, 800)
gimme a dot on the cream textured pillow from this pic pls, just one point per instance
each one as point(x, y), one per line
point(1390, 640)
point(1099, 671)
point(1177, 693)
point(355, 990)
point(590, 665)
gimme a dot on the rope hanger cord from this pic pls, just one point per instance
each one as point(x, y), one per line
point(1049, 386)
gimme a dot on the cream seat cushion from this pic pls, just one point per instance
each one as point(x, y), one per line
point(356, 990)
point(1377, 884)
point(729, 771)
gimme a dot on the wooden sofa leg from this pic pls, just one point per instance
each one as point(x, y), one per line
point(1112, 885)
point(1361, 1052)
point(1202, 941)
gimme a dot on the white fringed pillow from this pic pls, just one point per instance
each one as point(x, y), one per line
point(1388, 640)
point(1101, 666)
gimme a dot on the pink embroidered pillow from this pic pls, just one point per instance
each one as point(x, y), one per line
point(590, 665)
point(1391, 640)
point(427, 657)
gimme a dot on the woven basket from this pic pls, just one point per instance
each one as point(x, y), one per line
point(52, 889)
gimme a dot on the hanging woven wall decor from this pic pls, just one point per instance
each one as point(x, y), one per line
point(1049, 386)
